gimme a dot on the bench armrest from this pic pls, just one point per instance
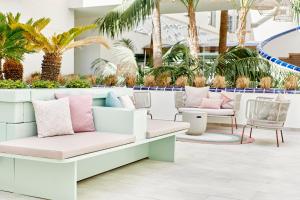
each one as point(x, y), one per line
point(121, 120)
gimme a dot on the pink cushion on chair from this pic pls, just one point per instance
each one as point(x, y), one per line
point(228, 100)
point(81, 112)
point(211, 103)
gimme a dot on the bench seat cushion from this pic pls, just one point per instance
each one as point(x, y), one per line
point(67, 146)
point(157, 128)
point(215, 112)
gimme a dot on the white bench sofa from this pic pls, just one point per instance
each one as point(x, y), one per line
point(50, 167)
point(223, 113)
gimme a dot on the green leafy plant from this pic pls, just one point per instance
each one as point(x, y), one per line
point(78, 83)
point(241, 61)
point(296, 9)
point(55, 46)
point(44, 84)
point(11, 84)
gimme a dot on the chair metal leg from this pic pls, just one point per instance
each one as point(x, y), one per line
point(151, 117)
point(282, 136)
point(251, 132)
point(277, 138)
point(236, 126)
point(232, 125)
point(175, 117)
point(243, 134)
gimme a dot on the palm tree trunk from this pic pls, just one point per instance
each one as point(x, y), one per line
point(242, 30)
point(51, 66)
point(193, 33)
point(1, 72)
point(156, 36)
point(223, 31)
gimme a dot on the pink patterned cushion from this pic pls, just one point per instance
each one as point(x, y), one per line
point(81, 112)
point(228, 100)
point(195, 95)
point(211, 103)
point(53, 117)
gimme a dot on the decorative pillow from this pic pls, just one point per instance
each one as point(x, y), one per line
point(53, 117)
point(211, 103)
point(215, 95)
point(127, 102)
point(112, 100)
point(195, 95)
point(228, 100)
point(81, 112)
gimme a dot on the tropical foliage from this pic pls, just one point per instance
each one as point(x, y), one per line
point(124, 61)
point(296, 9)
point(55, 46)
point(240, 61)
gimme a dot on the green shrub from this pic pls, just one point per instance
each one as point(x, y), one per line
point(44, 84)
point(10, 84)
point(78, 83)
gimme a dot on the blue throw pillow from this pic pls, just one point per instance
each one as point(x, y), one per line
point(112, 100)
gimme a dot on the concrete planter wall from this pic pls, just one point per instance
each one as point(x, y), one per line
point(16, 111)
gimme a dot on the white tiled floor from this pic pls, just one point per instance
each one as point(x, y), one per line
point(257, 171)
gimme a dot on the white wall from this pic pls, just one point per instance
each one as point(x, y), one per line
point(163, 107)
point(61, 20)
point(86, 55)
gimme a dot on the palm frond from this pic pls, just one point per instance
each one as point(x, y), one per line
point(88, 41)
point(125, 43)
point(103, 68)
point(296, 10)
point(239, 61)
point(64, 39)
point(125, 16)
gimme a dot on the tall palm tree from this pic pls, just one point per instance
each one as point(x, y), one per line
point(55, 46)
point(244, 8)
point(191, 6)
point(223, 31)
point(128, 15)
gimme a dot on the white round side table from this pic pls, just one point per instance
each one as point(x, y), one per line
point(197, 120)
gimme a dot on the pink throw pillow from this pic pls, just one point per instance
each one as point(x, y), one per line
point(228, 100)
point(211, 103)
point(81, 112)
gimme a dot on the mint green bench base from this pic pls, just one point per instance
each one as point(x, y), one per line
point(57, 179)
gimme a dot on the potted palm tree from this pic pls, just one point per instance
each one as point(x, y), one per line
point(12, 42)
point(54, 47)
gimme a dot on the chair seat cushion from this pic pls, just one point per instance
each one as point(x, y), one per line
point(67, 146)
point(157, 128)
point(215, 112)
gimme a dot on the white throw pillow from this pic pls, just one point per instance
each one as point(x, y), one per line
point(127, 102)
point(195, 95)
point(53, 117)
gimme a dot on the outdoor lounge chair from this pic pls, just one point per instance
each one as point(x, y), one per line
point(220, 113)
point(266, 113)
